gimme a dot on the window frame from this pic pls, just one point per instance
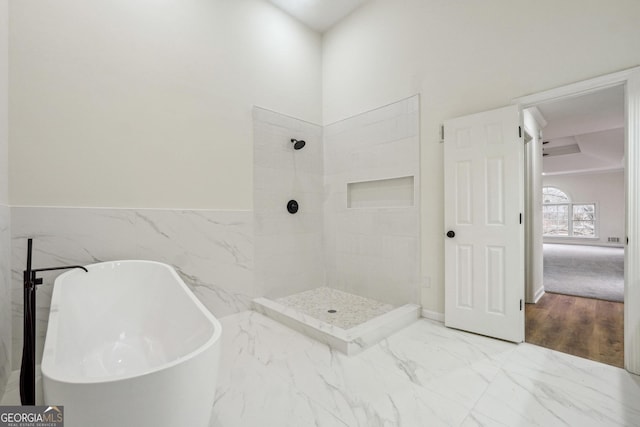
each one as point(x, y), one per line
point(569, 203)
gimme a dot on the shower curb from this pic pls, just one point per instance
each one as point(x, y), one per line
point(348, 341)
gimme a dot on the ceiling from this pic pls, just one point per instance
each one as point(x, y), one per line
point(585, 133)
point(319, 15)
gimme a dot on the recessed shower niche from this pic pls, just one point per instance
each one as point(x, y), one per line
point(345, 268)
point(381, 193)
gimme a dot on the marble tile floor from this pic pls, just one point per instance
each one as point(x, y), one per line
point(423, 375)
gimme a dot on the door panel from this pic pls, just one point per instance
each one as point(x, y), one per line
point(464, 203)
point(464, 276)
point(484, 197)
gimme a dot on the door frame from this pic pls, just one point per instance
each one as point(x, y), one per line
point(630, 79)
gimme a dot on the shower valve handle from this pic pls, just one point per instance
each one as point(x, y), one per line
point(292, 207)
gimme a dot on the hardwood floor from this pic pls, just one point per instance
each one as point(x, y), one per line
point(584, 327)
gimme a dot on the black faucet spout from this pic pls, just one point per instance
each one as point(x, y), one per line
point(66, 267)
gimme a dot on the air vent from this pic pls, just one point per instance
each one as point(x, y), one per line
point(613, 240)
point(562, 150)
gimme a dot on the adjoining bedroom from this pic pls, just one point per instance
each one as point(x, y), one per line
point(579, 309)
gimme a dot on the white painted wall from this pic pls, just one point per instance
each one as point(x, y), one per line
point(607, 191)
point(143, 103)
point(4, 102)
point(465, 57)
point(5, 269)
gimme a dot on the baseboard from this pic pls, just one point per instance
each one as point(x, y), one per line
point(433, 315)
point(583, 242)
point(538, 295)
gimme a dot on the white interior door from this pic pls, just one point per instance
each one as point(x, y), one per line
point(484, 207)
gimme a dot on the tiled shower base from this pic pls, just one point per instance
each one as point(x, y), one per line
point(349, 323)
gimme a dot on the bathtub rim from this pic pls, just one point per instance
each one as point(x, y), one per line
point(48, 356)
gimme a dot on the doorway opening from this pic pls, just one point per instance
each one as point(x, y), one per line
point(488, 247)
point(576, 233)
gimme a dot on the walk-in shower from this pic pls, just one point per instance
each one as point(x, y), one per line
point(345, 268)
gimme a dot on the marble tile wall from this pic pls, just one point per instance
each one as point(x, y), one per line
point(373, 252)
point(288, 248)
point(211, 250)
point(5, 296)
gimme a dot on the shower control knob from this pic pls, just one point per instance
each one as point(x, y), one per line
point(292, 206)
point(451, 234)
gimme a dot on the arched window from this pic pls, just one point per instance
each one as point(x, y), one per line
point(563, 218)
point(554, 195)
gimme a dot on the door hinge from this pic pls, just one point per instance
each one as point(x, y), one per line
point(521, 218)
point(519, 131)
point(520, 305)
point(441, 133)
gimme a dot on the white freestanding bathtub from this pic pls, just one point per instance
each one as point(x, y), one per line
point(128, 344)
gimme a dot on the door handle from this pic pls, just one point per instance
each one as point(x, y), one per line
point(451, 234)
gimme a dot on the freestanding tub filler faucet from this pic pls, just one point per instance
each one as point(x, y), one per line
point(28, 368)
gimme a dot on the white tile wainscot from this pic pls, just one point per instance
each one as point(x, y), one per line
point(211, 250)
point(5, 297)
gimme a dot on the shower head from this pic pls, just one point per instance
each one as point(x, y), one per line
point(297, 144)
